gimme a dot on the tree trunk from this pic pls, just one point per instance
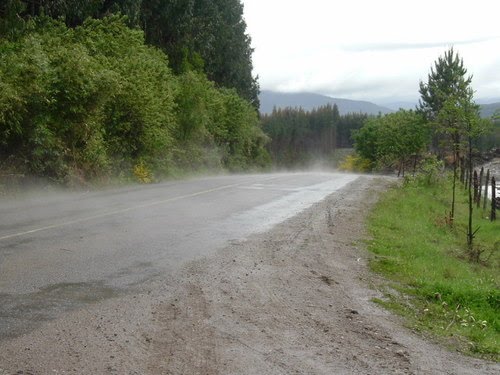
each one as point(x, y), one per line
point(476, 184)
point(452, 213)
point(456, 158)
point(470, 234)
point(467, 177)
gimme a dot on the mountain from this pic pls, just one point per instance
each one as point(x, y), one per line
point(487, 110)
point(308, 101)
point(396, 106)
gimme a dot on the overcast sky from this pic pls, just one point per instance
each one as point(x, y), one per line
point(371, 50)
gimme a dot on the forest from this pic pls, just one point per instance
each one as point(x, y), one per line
point(95, 89)
point(300, 138)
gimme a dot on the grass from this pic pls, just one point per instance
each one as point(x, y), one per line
point(432, 280)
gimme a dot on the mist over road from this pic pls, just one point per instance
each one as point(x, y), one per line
point(58, 251)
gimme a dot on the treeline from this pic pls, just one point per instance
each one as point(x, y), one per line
point(299, 137)
point(96, 100)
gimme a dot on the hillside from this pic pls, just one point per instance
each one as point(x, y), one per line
point(308, 101)
point(487, 110)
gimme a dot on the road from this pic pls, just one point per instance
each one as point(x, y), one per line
point(61, 250)
point(195, 291)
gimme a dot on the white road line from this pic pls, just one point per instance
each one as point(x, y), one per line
point(110, 213)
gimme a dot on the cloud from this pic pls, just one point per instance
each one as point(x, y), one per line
point(333, 48)
point(372, 47)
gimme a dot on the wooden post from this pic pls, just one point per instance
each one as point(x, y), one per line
point(486, 183)
point(479, 191)
point(493, 215)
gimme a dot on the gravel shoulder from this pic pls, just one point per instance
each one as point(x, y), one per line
point(294, 300)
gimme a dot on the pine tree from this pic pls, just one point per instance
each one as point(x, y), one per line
point(447, 79)
point(443, 98)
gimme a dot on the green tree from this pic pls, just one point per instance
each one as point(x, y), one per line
point(396, 138)
point(443, 97)
point(84, 100)
point(366, 140)
point(202, 35)
point(220, 38)
point(448, 78)
point(474, 127)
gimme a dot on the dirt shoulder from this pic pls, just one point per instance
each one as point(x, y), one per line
point(295, 300)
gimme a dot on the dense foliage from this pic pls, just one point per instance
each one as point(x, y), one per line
point(204, 35)
point(95, 100)
point(299, 137)
point(396, 139)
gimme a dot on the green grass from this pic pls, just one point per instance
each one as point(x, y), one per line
point(432, 280)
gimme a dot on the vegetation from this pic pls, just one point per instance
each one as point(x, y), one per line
point(395, 139)
point(300, 137)
point(416, 248)
point(94, 100)
point(418, 236)
point(207, 36)
point(447, 115)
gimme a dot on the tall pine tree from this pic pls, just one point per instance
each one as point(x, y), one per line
point(443, 98)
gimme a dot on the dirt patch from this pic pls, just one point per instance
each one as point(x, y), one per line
point(295, 300)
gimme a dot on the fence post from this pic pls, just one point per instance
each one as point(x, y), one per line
point(486, 183)
point(478, 202)
point(493, 215)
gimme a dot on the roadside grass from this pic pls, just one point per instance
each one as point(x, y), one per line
point(432, 281)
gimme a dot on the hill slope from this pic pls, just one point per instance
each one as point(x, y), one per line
point(308, 101)
point(487, 110)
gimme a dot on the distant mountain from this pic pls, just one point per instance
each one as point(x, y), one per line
point(396, 106)
point(487, 110)
point(487, 100)
point(308, 101)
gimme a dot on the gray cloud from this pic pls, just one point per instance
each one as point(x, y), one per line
point(389, 89)
point(370, 47)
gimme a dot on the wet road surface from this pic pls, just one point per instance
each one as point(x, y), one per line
point(59, 251)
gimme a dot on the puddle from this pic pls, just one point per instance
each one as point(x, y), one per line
point(22, 313)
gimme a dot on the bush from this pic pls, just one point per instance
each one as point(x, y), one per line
point(355, 163)
point(77, 104)
point(429, 172)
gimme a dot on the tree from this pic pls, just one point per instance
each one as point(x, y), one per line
point(395, 138)
point(443, 99)
point(220, 38)
point(446, 79)
point(474, 127)
point(202, 35)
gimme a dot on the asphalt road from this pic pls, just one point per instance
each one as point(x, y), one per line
point(61, 250)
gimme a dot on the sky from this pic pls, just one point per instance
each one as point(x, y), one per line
point(371, 50)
